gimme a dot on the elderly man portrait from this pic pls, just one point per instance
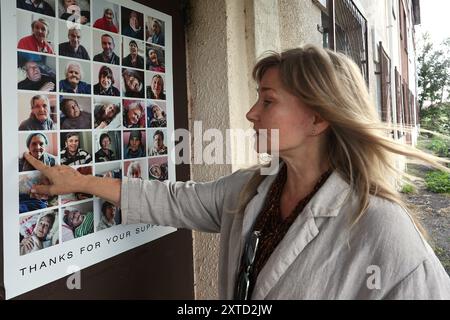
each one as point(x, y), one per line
point(73, 47)
point(39, 118)
point(72, 83)
point(72, 154)
point(107, 55)
point(35, 79)
point(37, 41)
point(38, 6)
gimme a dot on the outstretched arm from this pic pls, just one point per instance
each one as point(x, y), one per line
point(64, 179)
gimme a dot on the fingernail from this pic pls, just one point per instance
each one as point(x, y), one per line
point(33, 190)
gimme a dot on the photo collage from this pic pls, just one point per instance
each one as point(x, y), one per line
point(91, 95)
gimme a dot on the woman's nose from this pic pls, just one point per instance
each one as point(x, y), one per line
point(252, 114)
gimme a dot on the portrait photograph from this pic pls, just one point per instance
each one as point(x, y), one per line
point(107, 215)
point(155, 59)
point(77, 220)
point(37, 111)
point(75, 76)
point(158, 169)
point(134, 145)
point(75, 148)
point(74, 41)
point(105, 15)
point(106, 79)
point(106, 47)
point(133, 52)
point(75, 112)
point(132, 23)
point(155, 86)
point(133, 113)
point(155, 31)
point(107, 146)
point(36, 32)
point(75, 11)
point(78, 196)
point(36, 72)
point(30, 201)
point(41, 145)
point(109, 170)
point(45, 7)
point(135, 168)
point(107, 113)
point(156, 114)
point(38, 231)
point(157, 145)
point(133, 83)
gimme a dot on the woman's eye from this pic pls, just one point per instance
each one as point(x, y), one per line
point(266, 103)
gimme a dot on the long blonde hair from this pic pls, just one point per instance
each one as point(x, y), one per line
point(358, 147)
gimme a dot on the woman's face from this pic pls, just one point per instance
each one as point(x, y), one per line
point(109, 15)
point(72, 144)
point(37, 146)
point(106, 143)
point(105, 82)
point(109, 213)
point(277, 109)
point(135, 143)
point(43, 227)
point(72, 110)
point(75, 218)
point(158, 142)
point(156, 28)
point(133, 83)
point(157, 113)
point(153, 57)
point(157, 85)
point(133, 48)
point(110, 111)
point(40, 31)
point(133, 116)
point(68, 3)
point(156, 171)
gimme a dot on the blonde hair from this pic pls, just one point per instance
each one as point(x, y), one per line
point(358, 148)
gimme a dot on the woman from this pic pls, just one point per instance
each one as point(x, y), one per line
point(106, 116)
point(154, 62)
point(134, 116)
point(73, 12)
point(328, 218)
point(135, 147)
point(156, 117)
point(133, 83)
point(133, 59)
point(156, 88)
point(157, 36)
point(105, 85)
point(37, 41)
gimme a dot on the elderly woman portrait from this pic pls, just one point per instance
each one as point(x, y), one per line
point(38, 6)
point(132, 24)
point(106, 81)
point(72, 153)
point(73, 83)
point(38, 76)
point(38, 40)
point(135, 147)
point(133, 83)
point(133, 59)
point(106, 116)
point(38, 238)
point(105, 153)
point(155, 32)
point(77, 223)
point(72, 115)
point(158, 148)
point(107, 216)
point(156, 116)
point(158, 171)
point(155, 59)
point(134, 169)
point(133, 114)
point(37, 144)
point(156, 88)
point(73, 48)
point(106, 22)
point(39, 118)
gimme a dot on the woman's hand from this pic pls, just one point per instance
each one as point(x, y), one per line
point(62, 179)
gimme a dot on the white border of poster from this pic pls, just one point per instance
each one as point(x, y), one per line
point(23, 273)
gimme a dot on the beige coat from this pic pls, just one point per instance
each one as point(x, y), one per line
point(382, 257)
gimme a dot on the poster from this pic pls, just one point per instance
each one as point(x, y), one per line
point(87, 84)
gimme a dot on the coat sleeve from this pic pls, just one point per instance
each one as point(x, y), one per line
point(428, 281)
point(187, 205)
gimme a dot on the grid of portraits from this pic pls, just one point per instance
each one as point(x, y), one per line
point(91, 95)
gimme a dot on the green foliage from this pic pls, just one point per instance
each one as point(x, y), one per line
point(439, 146)
point(436, 118)
point(407, 188)
point(438, 181)
point(433, 69)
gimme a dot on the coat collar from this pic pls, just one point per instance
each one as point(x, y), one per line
point(326, 203)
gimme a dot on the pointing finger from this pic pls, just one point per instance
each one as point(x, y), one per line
point(35, 162)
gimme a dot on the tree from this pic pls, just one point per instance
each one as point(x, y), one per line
point(433, 70)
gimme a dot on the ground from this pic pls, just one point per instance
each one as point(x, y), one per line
point(433, 212)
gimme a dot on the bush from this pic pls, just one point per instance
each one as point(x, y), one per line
point(438, 181)
point(407, 188)
point(436, 118)
point(439, 147)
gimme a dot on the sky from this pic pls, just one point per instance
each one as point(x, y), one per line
point(435, 19)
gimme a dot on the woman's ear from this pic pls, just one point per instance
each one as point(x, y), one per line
point(320, 124)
